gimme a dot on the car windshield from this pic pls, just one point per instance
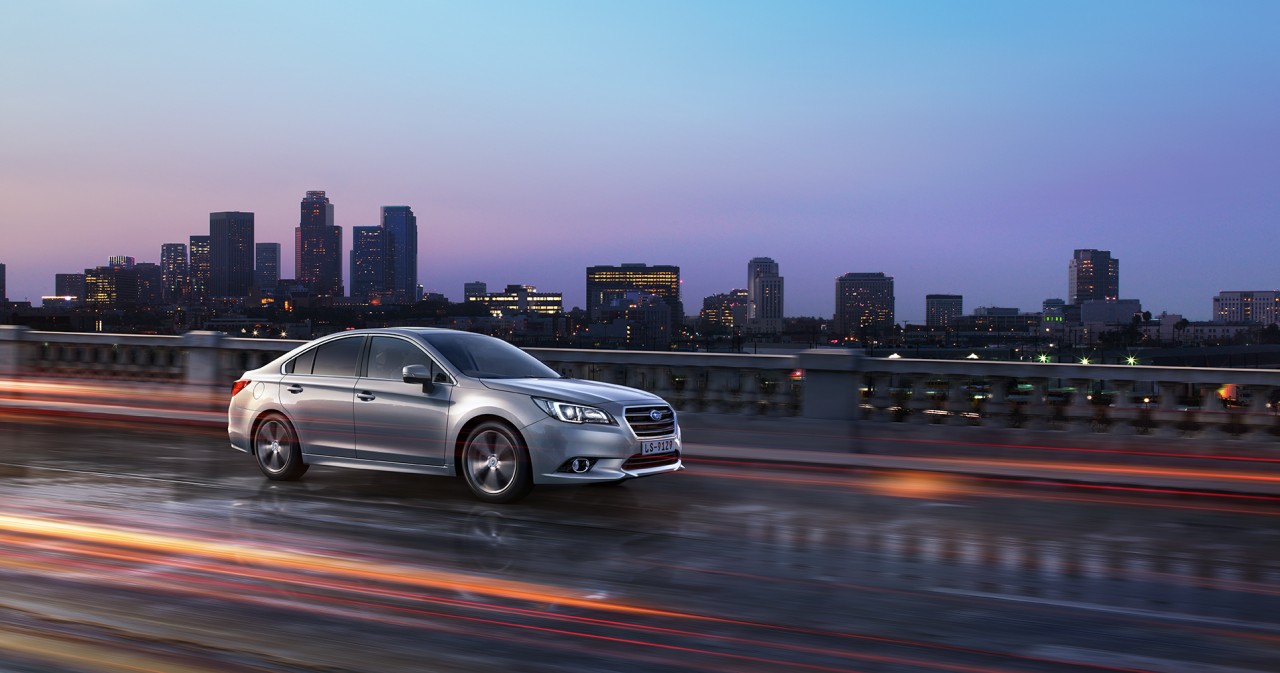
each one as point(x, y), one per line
point(485, 357)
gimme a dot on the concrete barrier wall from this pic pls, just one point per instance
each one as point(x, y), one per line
point(1008, 398)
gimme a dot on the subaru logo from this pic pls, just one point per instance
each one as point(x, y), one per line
point(655, 415)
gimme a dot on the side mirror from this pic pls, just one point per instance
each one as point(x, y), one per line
point(418, 374)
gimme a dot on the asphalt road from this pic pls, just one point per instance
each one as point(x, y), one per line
point(128, 548)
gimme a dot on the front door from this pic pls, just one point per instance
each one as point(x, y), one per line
point(395, 421)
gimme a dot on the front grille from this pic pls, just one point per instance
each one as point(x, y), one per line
point(642, 423)
point(641, 462)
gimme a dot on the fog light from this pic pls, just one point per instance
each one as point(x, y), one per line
point(577, 465)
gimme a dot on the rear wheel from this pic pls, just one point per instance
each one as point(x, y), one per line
point(275, 445)
point(495, 464)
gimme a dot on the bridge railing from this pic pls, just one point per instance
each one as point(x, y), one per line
point(815, 384)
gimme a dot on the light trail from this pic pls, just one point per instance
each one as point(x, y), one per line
point(61, 537)
point(944, 484)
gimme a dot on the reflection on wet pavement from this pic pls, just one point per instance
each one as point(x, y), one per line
point(162, 549)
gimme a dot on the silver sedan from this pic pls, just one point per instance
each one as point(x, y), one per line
point(438, 401)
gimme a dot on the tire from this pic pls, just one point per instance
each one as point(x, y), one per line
point(275, 445)
point(495, 464)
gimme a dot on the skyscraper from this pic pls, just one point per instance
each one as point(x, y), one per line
point(173, 271)
point(266, 270)
point(864, 306)
point(199, 268)
point(318, 247)
point(369, 258)
point(3, 297)
point(150, 279)
point(941, 310)
point(401, 227)
point(1093, 274)
point(764, 296)
point(230, 254)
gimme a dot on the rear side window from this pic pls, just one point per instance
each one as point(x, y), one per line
point(301, 364)
point(338, 357)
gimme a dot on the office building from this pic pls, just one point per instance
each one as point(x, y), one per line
point(173, 272)
point(401, 227)
point(520, 299)
point(864, 306)
point(725, 312)
point(4, 297)
point(150, 283)
point(198, 266)
point(121, 261)
point(941, 310)
point(1093, 275)
point(611, 290)
point(764, 296)
point(1260, 307)
point(475, 288)
point(69, 285)
point(230, 254)
point(111, 287)
point(369, 256)
point(318, 247)
point(266, 266)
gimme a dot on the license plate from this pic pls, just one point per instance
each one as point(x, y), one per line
point(658, 446)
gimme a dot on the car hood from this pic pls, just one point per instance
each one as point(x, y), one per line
point(573, 390)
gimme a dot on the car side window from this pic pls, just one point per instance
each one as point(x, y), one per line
point(388, 356)
point(301, 364)
point(338, 357)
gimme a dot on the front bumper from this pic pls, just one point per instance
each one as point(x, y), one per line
point(614, 451)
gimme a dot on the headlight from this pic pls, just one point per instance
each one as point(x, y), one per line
point(574, 413)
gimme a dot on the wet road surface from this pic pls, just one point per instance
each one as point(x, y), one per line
point(161, 549)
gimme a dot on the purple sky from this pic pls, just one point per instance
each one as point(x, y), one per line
point(959, 147)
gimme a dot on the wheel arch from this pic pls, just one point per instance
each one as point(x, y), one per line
point(465, 431)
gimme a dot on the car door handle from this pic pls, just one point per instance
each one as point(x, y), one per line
point(295, 388)
point(364, 395)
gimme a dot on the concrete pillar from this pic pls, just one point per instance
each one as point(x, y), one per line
point(203, 356)
point(11, 343)
point(830, 383)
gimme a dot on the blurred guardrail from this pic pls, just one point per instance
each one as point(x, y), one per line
point(829, 384)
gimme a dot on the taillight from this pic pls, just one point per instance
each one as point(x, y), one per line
point(239, 385)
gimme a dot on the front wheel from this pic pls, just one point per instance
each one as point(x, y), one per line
point(275, 445)
point(495, 464)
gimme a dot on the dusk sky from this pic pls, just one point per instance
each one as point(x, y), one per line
point(961, 147)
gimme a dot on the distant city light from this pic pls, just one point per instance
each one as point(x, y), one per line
point(1131, 360)
point(1043, 357)
point(1084, 361)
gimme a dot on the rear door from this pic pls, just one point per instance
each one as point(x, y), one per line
point(317, 393)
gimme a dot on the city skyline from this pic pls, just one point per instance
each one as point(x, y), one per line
point(951, 147)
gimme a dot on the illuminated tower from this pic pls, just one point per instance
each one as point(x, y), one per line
point(318, 247)
point(199, 269)
point(173, 271)
point(941, 310)
point(266, 269)
point(401, 227)
point(864, 306)
point(764, 296)
point(368, 263)
point(1093, 274)
point(230, 254)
